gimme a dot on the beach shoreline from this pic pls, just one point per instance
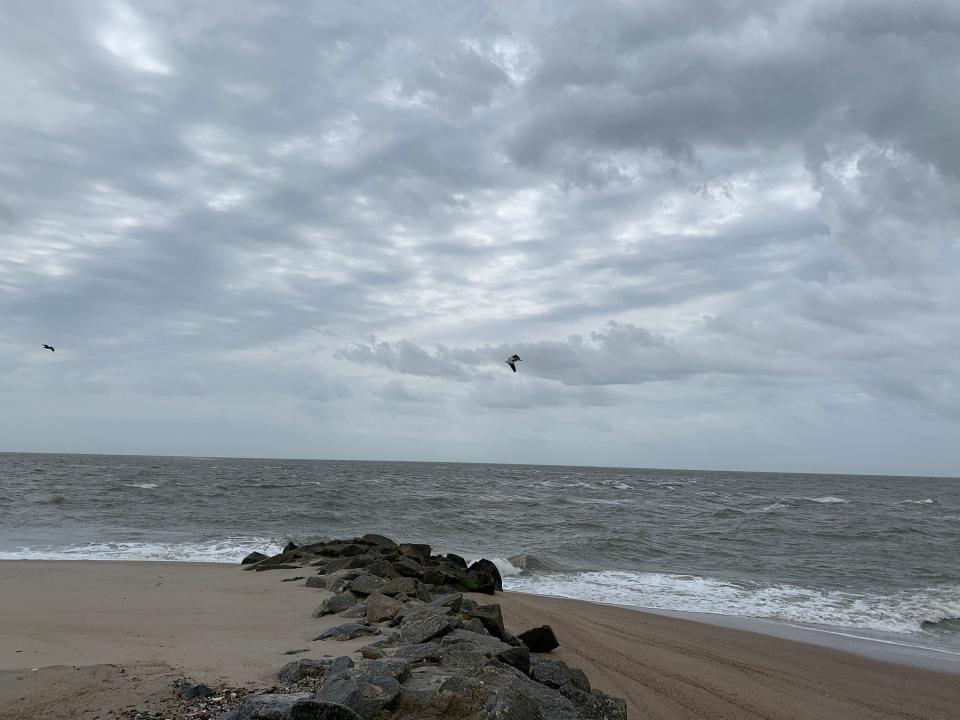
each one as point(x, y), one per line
point(213, 622)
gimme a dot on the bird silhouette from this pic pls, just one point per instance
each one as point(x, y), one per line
point(512, 362)
point(48, 347)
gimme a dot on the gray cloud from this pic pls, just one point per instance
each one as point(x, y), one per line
point(713, 226)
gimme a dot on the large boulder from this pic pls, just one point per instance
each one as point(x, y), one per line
point(491, 617)
point(539, 639)
point(408, 567)
point(381, 568)
point(414, 550)
point(381, 607)
point(451, 601)
point(267, 706)
point(420, 627)
point(253, 557)
point(379, 540)
point(366, 584)
point(518, 657)
point(482, 568)
point(600, 706)
point(399, 585)
point(299, 669)
point(336, 604)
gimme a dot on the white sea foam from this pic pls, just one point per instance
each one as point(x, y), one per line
point(925, 501)
point(145, 486)
point(227, 550)
point(828, 500)
point(899, 612)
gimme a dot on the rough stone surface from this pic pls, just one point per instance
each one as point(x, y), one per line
point(380, 540)
point(491, 617)
point(518, 657)
point(423, 628)
point(408, 567)
point(398, 585)
point(380, 607)
point(512, 703)
point(381, 568)
point(366, 584)
point(600, 706)
point(269, 706)
point(315, 710)
point(486, 567)
point(540, 639)
point(341, 689)
point(299, 669)
point(337, 603)
point(452, 601)
point(317, 581)
point(357, 611)
point(348, 631)
point(556, 674)
point(415, 550)
point(376, 693)
point(253, 557)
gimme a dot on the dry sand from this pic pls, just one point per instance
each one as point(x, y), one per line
point(107, 635)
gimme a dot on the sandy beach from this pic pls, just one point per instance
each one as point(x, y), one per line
point(81, 639)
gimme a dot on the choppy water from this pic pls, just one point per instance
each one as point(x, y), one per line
point(877, 554)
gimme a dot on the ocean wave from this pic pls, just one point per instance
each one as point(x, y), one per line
point(828, 500)
point(226, 550)
point(903, 612)
point(925, 501)
point(144, 486)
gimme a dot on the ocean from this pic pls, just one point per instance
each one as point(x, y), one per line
point(869, 555)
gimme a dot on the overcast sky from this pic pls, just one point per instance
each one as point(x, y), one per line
point(719, 234)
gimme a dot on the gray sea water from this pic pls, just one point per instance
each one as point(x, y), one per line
point(871, 555)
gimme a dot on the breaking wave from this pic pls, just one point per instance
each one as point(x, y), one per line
point(227, 550)
point(903, 612)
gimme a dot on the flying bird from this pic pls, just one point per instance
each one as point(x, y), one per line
point(512, 362)
point(48, 347)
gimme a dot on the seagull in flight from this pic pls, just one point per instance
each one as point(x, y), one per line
point(512, 362)
point(48, 347)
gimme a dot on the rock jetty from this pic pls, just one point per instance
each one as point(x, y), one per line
point(432, 652)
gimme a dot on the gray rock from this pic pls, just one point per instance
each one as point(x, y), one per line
point(315, 710)
point(395, 667)
point(380, 607)
point(381, 568)
point(415, 550)
point(346, 563)
point(357, 611)
point(419, 653)
point(556, 674)
point(424, 627)
point(317, 581)
point(398, 585)
point(332, 578)
point(518, 657)
point(379, 540)
point(341, 664)
point(600, 706)
point(341, 689)
point(540, 639)
point(299, 669)
point(484, 567)
point(487, 643)
point(337, 603)
point(408, 567)
point(253, 557)
point(269, 706)
point(452, 601)
point(512, 703)
point(475, 626)
point(189, 691)
point(376, 693)
point(366, 584)
point(348, 631)
point(491, 617)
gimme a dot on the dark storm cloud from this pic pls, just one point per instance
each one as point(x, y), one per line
point(683, 214)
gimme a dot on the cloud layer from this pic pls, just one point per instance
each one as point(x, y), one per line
point(719, 234)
